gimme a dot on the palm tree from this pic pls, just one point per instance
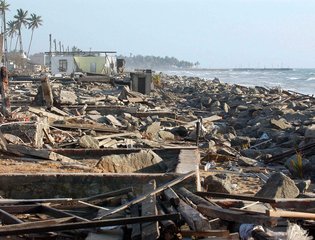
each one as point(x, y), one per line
point(33, 22)
point(11, 31)
point(21, 20)
point(3, 8)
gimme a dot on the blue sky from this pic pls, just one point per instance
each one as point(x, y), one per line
point(217, 33)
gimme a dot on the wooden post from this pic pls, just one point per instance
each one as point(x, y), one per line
point(5, 92)
point(47, 92)
point(197, 132)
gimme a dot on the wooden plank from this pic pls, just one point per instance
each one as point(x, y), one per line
point(189, 160)
point(21, 209)
point(51, 116)
point(171, 196)
point(100, 197)
point(34, 200)
point(195, 220)
point(234, 196)
point(41, 153)
point(194, 198)
point(95, 127)
point(184, 193)
point(290, 214)
point(144, 196)
point(168, 227)
point(126, 134)
point(296, 203)
point(237, 216)
point(93, 206)
point(58, 111)
point(148, 207)
point(51, 226)
point(59, 213)
point(7, 218)
point(136, 228)
point(210, 233)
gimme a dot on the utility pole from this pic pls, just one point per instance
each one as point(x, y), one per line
point(50, 44)
point(55, 43)
point(5, 92)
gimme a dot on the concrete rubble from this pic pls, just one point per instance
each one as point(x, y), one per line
point(250, 149)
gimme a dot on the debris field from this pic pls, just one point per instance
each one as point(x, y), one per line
point(237, 162)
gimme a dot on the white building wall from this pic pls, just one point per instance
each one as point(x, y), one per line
point(71, 67)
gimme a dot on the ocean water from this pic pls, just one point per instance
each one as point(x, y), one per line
point(298, 80)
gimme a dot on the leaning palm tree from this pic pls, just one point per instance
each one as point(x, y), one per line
point(4, 6)
point(11, 31)
point(21, 20)
point(33, 22)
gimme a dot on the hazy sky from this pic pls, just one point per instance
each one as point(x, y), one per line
point(217, 33)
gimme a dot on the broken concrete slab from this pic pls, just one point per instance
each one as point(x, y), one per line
point(214, 183)
point(280, 124)
point(279, 186)
point(88, 141)
point(142, 161)
point(166, 135)
point(152, 130)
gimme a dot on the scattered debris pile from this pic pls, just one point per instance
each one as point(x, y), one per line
point(254, 148)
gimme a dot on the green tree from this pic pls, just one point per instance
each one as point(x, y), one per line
point(11, 31)
point(21, 21)
point(33, 22)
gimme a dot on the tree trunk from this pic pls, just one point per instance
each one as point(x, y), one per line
point(20, 38)
point(29, 46)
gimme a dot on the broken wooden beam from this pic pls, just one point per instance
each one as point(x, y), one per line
point(290, 214)
point(51, 116)
point(7, 218)
point(237, 216)
point(234, 196)
point(144, 196)
point(195, 220)
point(204, 234)
point(41, 153)
point(50, 226)
point(101, 197)
point(293, 203)
point(95, 127)
point(171, 196)
point(168, 227)
point(148, 207)
point(194, 198)
point(136, 228)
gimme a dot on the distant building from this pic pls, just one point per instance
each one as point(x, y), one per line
point(92, 62)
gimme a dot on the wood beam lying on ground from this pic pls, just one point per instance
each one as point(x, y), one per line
point(290, 214)
point(195, 220)
point(210, 233)
point(237, 216)
point(144, 196)
point(51, 226)
point(148, 207)
point(297, 203)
